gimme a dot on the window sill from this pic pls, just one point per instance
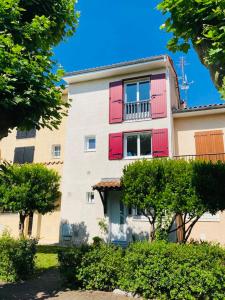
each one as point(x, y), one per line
point(209, 220)
point(94, 150)
point(137, 157)
point(56, 157)
point(137, 120)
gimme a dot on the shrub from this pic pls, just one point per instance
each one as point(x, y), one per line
point(70, 263)
point(172, 271)
point(100, 267)
point(16, 258)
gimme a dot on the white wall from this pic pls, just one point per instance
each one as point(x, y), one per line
point(89, 115)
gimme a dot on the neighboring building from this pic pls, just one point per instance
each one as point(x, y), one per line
point(43, 146)
point(118, 114)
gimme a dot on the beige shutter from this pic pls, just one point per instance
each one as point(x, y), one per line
point(209, 142)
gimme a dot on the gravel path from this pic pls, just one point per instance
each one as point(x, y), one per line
point(48, 286)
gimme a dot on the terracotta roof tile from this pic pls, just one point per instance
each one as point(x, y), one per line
point(108, 183)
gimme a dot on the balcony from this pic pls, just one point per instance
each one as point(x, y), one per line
point(207, 157)
point(137, 110)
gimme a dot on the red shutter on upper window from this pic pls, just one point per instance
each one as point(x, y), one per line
point(115, 146)
point(158, 96)
point(116, 102)
point(160, 142)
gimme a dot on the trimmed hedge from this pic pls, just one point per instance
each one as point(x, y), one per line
point(16, 258)
point(100, 268)
point(95, 267)
point(172, 271)
point(157, 270)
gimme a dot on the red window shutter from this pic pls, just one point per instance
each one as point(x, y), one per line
point(115, 146)
point(116, 102)
point(160, 142)
point(158, 96)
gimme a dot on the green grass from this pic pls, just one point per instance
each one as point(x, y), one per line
point(46, 257)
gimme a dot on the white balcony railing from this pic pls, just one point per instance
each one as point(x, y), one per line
point(137, 110)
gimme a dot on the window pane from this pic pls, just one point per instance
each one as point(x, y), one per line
point(131, 92)
point(144, 90)
point(145, 144)
point(91, 143)
point(57, 150)
point(132, 145)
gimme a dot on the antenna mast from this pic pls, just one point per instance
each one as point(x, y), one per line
point(185, 84)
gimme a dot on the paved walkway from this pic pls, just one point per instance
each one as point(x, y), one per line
point(48, 286)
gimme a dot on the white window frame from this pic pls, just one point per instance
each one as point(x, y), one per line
point(86, 143)
point(89, 200)
point(138, 134)
point(53, 151)
point(138, 83)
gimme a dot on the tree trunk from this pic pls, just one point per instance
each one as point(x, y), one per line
point(152, 233)
point(21, 224)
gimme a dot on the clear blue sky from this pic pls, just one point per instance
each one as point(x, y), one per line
point(112, 31)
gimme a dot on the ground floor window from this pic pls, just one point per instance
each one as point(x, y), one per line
point(90, 197)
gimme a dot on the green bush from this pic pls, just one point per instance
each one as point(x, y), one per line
point(91, 267)
point(70, 263)
point(171, 271)
point(16, 258)
point(100, 267)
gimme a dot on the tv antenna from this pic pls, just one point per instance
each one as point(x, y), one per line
point(185, 84)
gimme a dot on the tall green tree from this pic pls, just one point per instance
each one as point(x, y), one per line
point(200, 23)
point(165, 190)
point(29, 29)
point(28, 188)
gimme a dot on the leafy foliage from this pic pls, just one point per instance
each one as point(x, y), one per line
point(166, 189)
point(28, 31)
point(95, 267)
point(153, 270)
point(172, 271)
point(200, 23)
point(100, 268)
point(28, 188)
point(70, 262)
point(16, 258)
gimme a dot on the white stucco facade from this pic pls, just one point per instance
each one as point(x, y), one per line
point(89, 116)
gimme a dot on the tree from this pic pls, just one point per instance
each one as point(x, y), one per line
point(200, 23)
point(29, 29)
point(166, 191)
point(28, 188)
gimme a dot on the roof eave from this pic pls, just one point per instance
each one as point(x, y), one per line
point(117, 69)
point(199, 112)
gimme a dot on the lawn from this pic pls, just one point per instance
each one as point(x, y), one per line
point(46, 257)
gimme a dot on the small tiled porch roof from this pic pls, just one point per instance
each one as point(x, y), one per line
point(107, 184)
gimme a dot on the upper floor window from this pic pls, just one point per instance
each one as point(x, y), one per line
point(137, 97)
point(143, 98)
point(90, 143)
point(25, 134)
point(137, 91)
point(56, 151)
point(23, 155)
point(138, 144)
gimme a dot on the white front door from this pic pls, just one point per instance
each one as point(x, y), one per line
point(117, 217)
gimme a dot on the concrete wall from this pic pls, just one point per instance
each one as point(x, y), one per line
point(185, 128)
